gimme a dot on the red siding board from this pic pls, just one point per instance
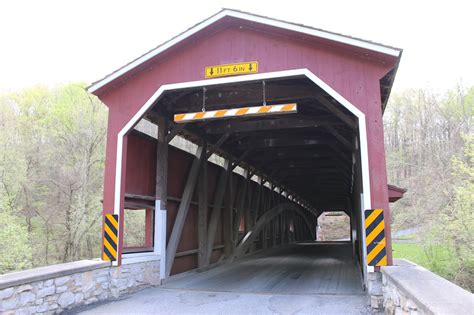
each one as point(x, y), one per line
point(141, 166)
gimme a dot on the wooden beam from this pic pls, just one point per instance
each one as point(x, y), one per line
point(240, 207)
point(282, 228)
point(198, 134)
point(228, 212)
point(274, 231)
point(202, 214)
point(248, 203)
point(264, 220)
point(333, 108)
point(287, 142)
point(140, 197)
point(254, 125)
point(235, 95)
point(239, 160)
point(339, 137)
point(183, 209)
point(217, 145)
point(195, 251)
point(256, 205)
point(216, 210)
point(291, 155)
point(161, 178)
point(177, 128)
point(307, 163)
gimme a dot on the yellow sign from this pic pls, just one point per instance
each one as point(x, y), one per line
point(231, 69)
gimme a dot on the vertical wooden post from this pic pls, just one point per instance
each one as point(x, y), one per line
point(257, 200)
point(240, 206)
point(202, 214)
point(161, 183)
point(248, 205)
point(300, 229)
point(293, 234)
point(161, 192)
point(264, 209)
point(280, 228)
point(283, 229)
point(274, 232)
point(228, 213)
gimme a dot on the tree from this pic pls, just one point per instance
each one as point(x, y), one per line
point(51, 167)
point(454, 225)
point(15, 251)
point(428, 140)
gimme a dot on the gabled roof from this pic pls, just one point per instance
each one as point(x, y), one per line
point(339, 38)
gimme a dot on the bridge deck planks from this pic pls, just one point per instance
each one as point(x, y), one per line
point(300, 269)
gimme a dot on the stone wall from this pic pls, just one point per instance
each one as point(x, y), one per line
point(53, 289)
point(374, 290)
point(412, 289)
point(397, 302)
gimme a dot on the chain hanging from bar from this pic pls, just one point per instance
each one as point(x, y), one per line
point(263, 92)
point(203, 99)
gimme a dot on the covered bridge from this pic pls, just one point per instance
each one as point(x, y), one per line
point(276, 123)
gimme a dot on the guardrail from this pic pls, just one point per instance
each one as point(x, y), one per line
point(55, 288)
point(412, 289)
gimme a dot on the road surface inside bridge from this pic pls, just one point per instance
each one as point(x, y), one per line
point(321, 278)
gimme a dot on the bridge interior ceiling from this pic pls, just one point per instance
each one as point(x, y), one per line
point(309, 153)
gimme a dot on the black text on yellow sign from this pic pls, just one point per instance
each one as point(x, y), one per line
point(110, 241)
point(231, 69)
point(375, 237)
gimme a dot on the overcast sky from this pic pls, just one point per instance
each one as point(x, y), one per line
point(51, 42)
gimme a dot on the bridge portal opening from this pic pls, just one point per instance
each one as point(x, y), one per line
point(249, 186)
point(334, 226)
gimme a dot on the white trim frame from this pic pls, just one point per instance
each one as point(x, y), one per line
point(229, 80)
point(248, 17)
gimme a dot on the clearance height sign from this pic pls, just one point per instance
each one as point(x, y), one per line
point(231, 69)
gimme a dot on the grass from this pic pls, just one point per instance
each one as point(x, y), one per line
point(435, 258)
point(411, 251)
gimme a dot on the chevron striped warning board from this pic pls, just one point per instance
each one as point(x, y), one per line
point(375, 237)
point(110, 237)
point(237, 112)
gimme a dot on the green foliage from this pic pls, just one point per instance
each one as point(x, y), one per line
point(454, 225)
point(134, 229)
point(429, 146)
point(51, 168)
point(430, 258)
point(15, 251)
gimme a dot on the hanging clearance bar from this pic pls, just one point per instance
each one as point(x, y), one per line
point(375, 237)
point(236, 112)
point(110, 241)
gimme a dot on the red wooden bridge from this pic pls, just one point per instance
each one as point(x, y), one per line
point(236, 135)
point(224, 147)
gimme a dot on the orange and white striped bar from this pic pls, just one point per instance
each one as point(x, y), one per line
point(236, 112)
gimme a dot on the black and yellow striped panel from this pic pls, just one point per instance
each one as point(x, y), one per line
point(375, 238)
point(110, 237)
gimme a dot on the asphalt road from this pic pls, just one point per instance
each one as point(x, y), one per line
point(303, 279)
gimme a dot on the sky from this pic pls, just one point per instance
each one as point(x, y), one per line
point(53, 42)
